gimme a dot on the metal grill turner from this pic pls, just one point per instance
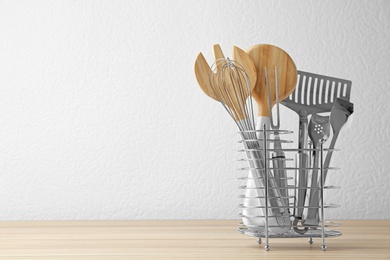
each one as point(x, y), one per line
point(316, 93)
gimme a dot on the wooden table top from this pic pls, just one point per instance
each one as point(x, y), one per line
point(200, 239)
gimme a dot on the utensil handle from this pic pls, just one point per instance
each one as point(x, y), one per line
point(263, 120)
point(279, 207)
point(279, 165)
point(315, 199)
point(312, 211)
point(302, 163)
point(278, 160)
point(303, 130)
point(278, 215)
point(281, 215)
point(329, 154)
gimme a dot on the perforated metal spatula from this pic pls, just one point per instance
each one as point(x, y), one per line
point(319, 131)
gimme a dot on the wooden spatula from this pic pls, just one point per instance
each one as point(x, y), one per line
point(203, 71)
point(270, 56)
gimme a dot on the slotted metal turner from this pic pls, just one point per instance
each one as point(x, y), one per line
point(314, 94)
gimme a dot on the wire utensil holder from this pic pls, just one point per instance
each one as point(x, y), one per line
point(265, 229)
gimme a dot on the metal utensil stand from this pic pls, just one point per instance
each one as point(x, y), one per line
point(263, 231)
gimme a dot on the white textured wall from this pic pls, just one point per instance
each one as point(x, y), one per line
point(101, 116)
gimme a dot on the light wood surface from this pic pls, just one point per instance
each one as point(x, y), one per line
point(204, 239)
point(267, 55)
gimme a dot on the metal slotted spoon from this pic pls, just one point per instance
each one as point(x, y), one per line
point(319, 131)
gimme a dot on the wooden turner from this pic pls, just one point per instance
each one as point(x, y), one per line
point(266, 56)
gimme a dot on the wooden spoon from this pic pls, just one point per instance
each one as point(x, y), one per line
point(266, 55)
point(269, 56)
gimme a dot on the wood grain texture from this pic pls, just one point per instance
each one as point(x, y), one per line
point(266, 55)
point(203, 239)
point(218, 55)
point(247, 63)
point(202, 73)
point(228, 83)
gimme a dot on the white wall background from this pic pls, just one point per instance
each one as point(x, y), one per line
point(101, 116)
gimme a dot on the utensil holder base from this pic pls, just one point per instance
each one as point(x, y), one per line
point(311, 233)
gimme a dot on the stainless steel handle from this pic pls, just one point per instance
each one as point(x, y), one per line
point(279, 165)
point(303, 163)
point(303, 130)
point(312, 218)
point(301, 177)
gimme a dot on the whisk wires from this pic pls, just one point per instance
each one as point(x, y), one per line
point(231, 85)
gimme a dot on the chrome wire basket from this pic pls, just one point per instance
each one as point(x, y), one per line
point(269, 194)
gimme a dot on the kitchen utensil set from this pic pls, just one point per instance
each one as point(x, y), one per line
point(314, 94)
point(267, 74)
